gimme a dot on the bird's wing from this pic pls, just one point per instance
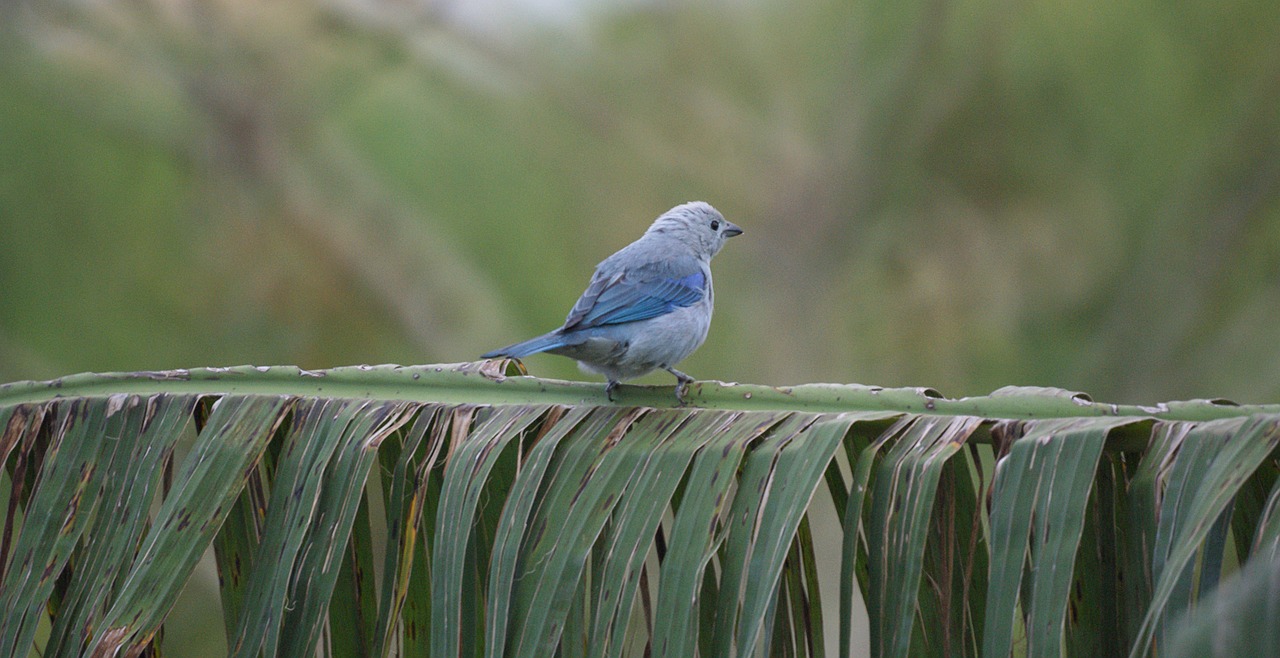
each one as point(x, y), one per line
point(631, 297)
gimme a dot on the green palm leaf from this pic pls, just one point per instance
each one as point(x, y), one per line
point(512, 516)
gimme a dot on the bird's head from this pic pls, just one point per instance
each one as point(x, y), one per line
point(696, 224)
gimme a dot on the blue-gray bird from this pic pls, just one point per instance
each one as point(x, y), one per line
point(648, 306)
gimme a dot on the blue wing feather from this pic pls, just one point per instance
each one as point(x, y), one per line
point(618, 299)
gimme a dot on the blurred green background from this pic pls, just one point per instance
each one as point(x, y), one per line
point(961, 195)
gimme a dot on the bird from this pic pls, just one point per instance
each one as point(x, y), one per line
point(647, 307)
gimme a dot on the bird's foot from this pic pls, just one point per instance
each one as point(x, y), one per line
point(682, 384)
point(609, 389)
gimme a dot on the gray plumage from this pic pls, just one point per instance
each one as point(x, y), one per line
point(648, 306)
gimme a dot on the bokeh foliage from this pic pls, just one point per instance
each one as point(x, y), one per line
point(962, 194)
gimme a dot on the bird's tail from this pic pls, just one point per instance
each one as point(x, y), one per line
point(542, 343)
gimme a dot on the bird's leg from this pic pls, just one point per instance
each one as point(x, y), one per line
point(609, 389)
point(682, 383)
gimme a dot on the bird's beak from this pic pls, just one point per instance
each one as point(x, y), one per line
point(731, 230)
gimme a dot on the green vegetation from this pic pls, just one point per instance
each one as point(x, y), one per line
point(961, 196)
point(456, 510)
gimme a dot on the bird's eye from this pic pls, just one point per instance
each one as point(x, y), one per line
point(715, 225)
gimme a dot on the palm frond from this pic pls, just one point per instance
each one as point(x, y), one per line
point(459, 511)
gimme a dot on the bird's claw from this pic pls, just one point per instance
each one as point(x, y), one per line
point(682, 385)
point(682, 389)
